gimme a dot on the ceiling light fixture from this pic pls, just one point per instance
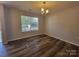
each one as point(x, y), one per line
point(44, 9)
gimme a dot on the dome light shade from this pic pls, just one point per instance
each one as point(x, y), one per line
point(42, 9)
point(47, 11)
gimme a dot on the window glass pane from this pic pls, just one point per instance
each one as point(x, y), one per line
point(34, 23)
point(25, 23)
point(29, 23)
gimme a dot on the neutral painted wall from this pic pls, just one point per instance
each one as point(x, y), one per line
point(13, 25)
point(3, 25)
point(64, 25)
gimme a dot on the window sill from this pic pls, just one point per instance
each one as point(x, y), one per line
point(30, 31)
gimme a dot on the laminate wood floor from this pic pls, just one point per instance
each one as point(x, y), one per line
point(38, 46)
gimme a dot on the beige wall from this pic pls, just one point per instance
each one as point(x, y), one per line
point(3, 25)
point(13, 17)
point(64, 25)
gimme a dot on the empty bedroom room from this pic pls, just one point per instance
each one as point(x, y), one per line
point(39, 29)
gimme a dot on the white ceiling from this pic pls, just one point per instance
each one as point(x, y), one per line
point(34, 6)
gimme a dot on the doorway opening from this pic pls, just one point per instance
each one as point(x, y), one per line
point(0, 36)
point(0, 32)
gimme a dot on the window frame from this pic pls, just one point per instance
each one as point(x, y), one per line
point(30, 28)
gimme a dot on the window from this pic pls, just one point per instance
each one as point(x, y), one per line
point(29, 23)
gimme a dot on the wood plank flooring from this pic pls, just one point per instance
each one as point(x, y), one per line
point(38, 46)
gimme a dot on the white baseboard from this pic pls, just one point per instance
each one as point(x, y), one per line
point(48, 35)
point(64, 40)
point(23, 37)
